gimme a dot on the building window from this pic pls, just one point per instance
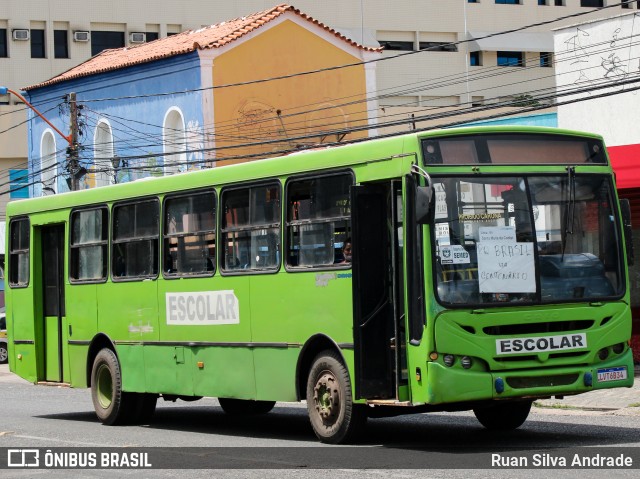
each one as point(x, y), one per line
point(3, 43)
point(19, 184)
point(101, 40)
point(545, 60)
point(318, 221)
point(472, 1)
point(48, 164)
point(393, 45)
point(37, 43)
point(628, 3)
point(104, 173)
point(542, 2)
point(60, 44)
point(250, 228)
point(510, 59)
point(89, 242)
point(189, 235)
point(439, 46)
point(151, 36)
point(592, 3)
point(135, 240)
point(174, 142)
point(559, 3)
point(509, 2)
point(19, 253)
point(475, 59)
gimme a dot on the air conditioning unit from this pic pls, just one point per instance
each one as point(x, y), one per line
point(137, 37)
point(20, 34)
point(81, 36)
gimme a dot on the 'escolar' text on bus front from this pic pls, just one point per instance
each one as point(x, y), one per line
point(203, 308)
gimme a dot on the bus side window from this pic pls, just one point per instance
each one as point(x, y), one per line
point(136, 229)
point(89, 243)
point(189, 234)
point(318, 220)
point(250, 228)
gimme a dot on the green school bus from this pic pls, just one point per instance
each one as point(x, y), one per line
point(488, 269)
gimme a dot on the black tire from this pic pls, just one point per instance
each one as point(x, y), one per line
point(112, 405)
point(4, 354)
point(504, 416)
point(334, 417)
point(239, 407)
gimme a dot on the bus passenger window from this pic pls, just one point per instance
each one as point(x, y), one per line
point(189, 234)
point(19, 253)
point(89, 242)
point(318, 221)
point(250, 228)
point(135, 240)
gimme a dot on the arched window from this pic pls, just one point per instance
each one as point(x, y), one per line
point(175, 143)
point(103, 154)
point(48, 164)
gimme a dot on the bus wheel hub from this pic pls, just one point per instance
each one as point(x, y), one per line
point(326, 397)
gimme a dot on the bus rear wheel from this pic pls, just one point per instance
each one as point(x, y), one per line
point(334, 417)
point(238, 407)
point(504, 416)
point(111, 403)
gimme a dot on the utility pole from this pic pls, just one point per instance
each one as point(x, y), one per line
point(72, 150)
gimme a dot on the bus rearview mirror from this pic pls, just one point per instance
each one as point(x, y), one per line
point(625, 208)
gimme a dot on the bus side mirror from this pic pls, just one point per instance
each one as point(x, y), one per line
point(625, 209)
point(423, 202)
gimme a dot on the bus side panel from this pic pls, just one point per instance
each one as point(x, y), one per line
point(167, 370)
point(220, 363)
point(275, 373)
point(82, 319)
point(225, 372)
point(288, 309)
point(132, 362)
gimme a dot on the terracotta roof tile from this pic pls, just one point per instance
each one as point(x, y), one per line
point(213, 36)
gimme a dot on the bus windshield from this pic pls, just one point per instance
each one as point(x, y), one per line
point(526, 239)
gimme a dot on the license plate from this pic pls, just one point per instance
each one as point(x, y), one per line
point(612, 374)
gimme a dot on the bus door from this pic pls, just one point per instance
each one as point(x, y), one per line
point(376, 301)
point(53, 309)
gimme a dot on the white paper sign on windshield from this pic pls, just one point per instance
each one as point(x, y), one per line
point(506, 267)
point(498, 234)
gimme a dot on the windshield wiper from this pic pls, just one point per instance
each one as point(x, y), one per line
point(571, 208)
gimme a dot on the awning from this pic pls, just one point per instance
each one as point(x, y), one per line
point(511, 42)
point(625, 160)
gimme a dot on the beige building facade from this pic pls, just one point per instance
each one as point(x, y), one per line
point(439, 54)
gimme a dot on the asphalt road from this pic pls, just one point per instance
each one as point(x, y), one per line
point(282, 442)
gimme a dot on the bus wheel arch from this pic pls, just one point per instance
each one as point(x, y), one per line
point(314, 346)
point(99, 342)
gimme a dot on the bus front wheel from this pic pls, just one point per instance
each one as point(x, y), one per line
point(504, 416)
point(334, 417)
point(109, 401)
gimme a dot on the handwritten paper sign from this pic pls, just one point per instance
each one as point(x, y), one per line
point(506, 267)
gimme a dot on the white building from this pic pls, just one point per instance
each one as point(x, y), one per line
point(42, 38)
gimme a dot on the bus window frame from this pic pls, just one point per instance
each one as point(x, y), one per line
point(163, 237)
point(221, 231)
point(112, 243)
point(11, 251)
point(70, 246)
point(285, 233)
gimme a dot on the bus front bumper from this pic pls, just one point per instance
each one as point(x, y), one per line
point(453, 385)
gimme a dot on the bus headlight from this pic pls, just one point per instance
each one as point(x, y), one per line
point(603, 354)
point(618, 348)
point(449, 359)
point(466, 362)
